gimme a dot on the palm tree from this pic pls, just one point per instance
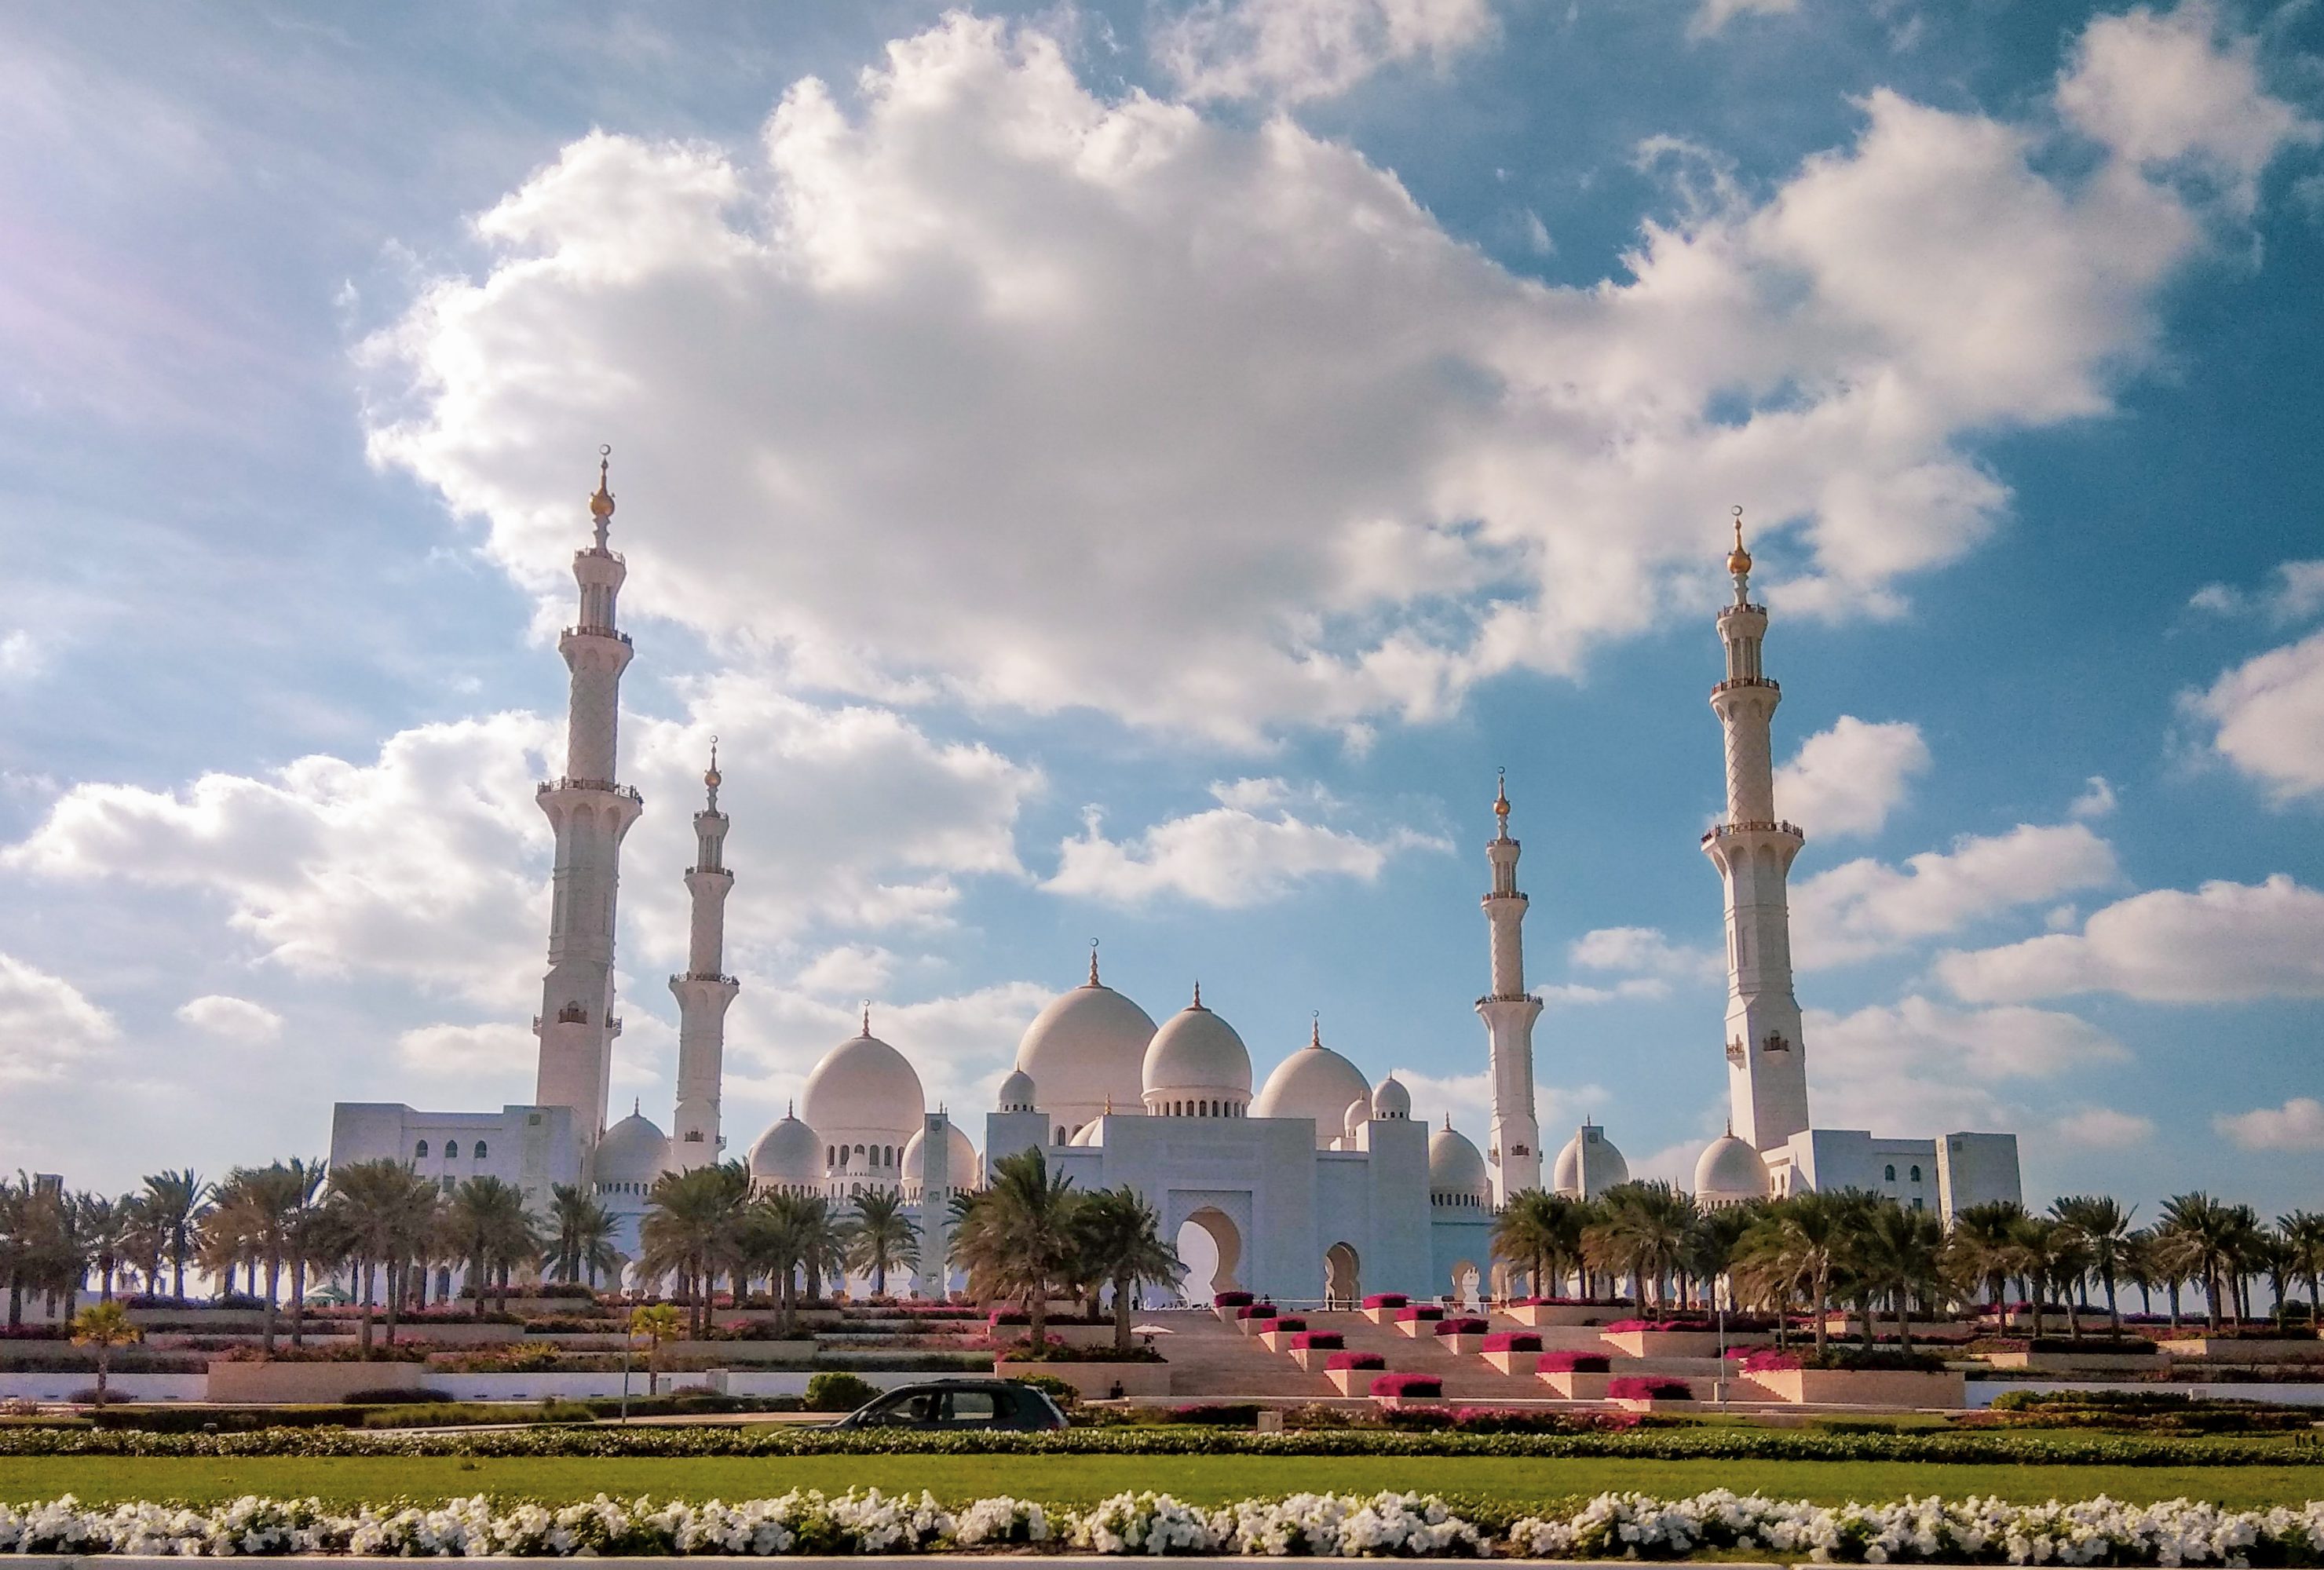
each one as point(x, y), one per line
point(492, 1233)
point(1980, 1248)
point(1016, 1236)
point(105, 1225)
point(175, 1204)
point(2304, 1230)
point(692, 1230)
point(1121, 1242)
point(1642, 1232)
point(104, 1325)
point(1543, 1232)
point(1799, 1245)
point(2104, 1225)
point(259, 1212)
point(658, 1323)
point(881, 1236)
point(1903, 1255)
point(583, 1231)
point(2201, 1234)
point(379, 1215)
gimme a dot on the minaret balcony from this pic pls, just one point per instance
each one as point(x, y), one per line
point(719, 871)
point(585, 631)
point(567, 783)
point(1723, 830)
point(713, 976)
point(1733, 683)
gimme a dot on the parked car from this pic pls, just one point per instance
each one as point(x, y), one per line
point(958, 1403)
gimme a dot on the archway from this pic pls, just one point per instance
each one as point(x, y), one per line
point(1465, 1281)
point(1211, 1244)
point(1343, 1288)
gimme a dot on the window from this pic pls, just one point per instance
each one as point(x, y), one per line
point(451, 1149)
point(1888, 1174)
point(975, 1409)
point(420, 1155)
point(1061, 1133)
point(1916, 1175)
point(478, 1151)
point(1918, 1204)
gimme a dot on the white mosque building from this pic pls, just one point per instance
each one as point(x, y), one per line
point(1321, 1184)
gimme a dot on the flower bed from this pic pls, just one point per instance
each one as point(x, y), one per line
point(1351, 1372)
point(1390, 1389)
point(1317, 1341)
point(1387, 1301)
point(1416, 1320)
point(1513, 1341)
point(1466, 1325)
point(1517, 1352)
point(1648, 1387)
point(1324, 1526)
point(1231, 1300)
point(1575, 1363)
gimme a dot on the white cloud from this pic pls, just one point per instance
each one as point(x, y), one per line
point(1917, 1067)
point(2105, 1128)
point(1215, 428)
point(851, 970)
point(232, 1019)
point(1249, 849)
point(2167, 88)
point(2268, 718)
point(1866, 907)
point(1296, 50)
point(2096, 800)
point(1713, 16)
point(2297, 594)
point(2226, 942)
point(51, 1028)
point(1847, 779)
point(480, 1056)
point(1644, 952)
point(21, 657)
point(2297, 1125)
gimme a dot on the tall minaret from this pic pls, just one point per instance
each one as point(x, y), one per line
point(1766, 1072)
point(590, 814)
point(705, 990)
point(1514, 1150)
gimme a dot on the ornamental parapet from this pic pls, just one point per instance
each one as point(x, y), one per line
point(1728, 685)
point(1754, 826)
point(721, 871)
point(1727, 610)
point(705, 976)
point(1507, 997)
point(567, 783)
point(599, 553)
point(584, 631)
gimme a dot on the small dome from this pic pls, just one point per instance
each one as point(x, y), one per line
point(1016, 1094)
point(1729, 1172)
point(1358, 1112)
point(863, 1090)
point(633, 1150)
point(1196, 1056)
point(1589, 1165)
point(1456, 1171)
point(960, 1160)
point(790, 1154)
point(1091, 1132)
point(1315, 1083)
point(1391, 1099)
point(1085, 1050)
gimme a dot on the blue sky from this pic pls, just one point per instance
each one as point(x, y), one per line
point(1134, 472)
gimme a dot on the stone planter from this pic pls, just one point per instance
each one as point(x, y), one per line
point(1573, 1386)
point(2246, 1349)
point(232, 1383)
point(1380, 1315)
point(1314, 1358)
point(1462, 1345)
point(1859, 1386)
point(1405, 1403)
point(1254, 1326)
point(1354, 1381)
point(1277, 1340)
point(1655, 1404)
point(1516, 1363)
point(1534, 1316)
point(1681, 1343)
point(1417, 1328)
point(1096, 1381)
point(2075, 1362)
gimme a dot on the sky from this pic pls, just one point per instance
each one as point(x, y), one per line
point(1134, 472)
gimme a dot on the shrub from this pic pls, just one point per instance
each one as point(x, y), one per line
point(1063, 1392)
point(1387, 1301)
point(1575, 1363)
point(1317, 1341)
point(1648, 1387)
point(391, 1395)
point(1215, 1414)
point(1418, 1314)
point(1284, 1325)
point(1255, 1311)
point(1231, 1300)
point(838, 1392)
point(451, 1414)
point(1513, 1341)
point(1023, 1352)
point(1354, 1359)
point(1408, 1386)
point(1464, 1326)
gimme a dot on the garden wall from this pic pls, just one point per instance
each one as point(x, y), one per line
point(1980, 1392)
point(63, 1385)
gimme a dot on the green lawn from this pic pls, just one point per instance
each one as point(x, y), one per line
point(1506, 1483)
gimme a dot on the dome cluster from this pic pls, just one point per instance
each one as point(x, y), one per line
point(1589, 1165)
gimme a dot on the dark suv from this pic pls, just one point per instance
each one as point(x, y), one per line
point(958, 1403)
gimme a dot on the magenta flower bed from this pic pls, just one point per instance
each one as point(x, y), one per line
point(1339, 1360)
point(1419, 1314)
point(1622, 1325)
point(1281, 1325)
point(1231, 1300)
point(1387, 1301)
point(1316, 1341)
point(1409, 1387)
point(1767, 1359)
point(1513, 1341)
point(1461, 1326)
point(1256, 1311)
point(1009, 1316)
point(1575, 1363)
point(1569, 1302)
point(1642, 1387)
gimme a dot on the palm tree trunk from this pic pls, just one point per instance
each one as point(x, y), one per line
point(1036, 1311)
point(1823, 1312)
point(2114, 1306)
point(299, 1297)
point(394, 1296)
point(266, 1320)
point(368, 1272)
point(1120, 1315)
point(104, 1368)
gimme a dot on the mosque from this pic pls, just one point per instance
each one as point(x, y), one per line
point(1321, 1186)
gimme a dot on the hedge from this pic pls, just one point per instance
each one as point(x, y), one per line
point(1648, 1387)
point(1351, 1360)
point(1317, 1341)
point(1387, 1301)
point(1419, 1314)
point(1405, 1386)
point(1513, 1341)
point(1466, 1326)
point(1575, 1363)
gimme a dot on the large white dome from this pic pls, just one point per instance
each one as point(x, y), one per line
point(960, 1160)
point(1313, 1082)
point(1084, 1052)
point(630, 1156)
point(1197, 1067)
point(1589, 1165)
point(1456, 1171)
point(788, 1155)
point(864, 1095)
point(1729, 1172)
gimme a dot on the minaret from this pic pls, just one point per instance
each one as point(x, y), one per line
point(590, 814)
point(1766, 1066)
point(704, 991)
point(1513, 1152)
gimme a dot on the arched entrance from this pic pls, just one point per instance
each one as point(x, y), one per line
point(1465, 1281)
point(1211, 1244)
point(1342, 1288)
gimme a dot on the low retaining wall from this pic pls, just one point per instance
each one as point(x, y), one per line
point(236, 1383)
point(1855, 1388)
point(1534, 1316)
point(2077, 1362)
point(1098, 1380)
point(63, 1385)
point(1980, 1392)
point(1681, 1343)
point(2204, 1349)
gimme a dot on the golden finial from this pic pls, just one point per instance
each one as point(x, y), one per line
point(1315, 1028)
point(601, 506)
point(1739, 561)
point(711, 776)
point(1092, 980)
point(1198, 993)
point(1501, 795)
point(867, 1016)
